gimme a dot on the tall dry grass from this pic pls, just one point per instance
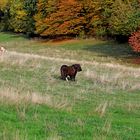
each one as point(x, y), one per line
point(101, 77)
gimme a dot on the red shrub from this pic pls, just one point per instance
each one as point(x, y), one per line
point(134, 41)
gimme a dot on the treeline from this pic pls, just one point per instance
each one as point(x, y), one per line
point(82, 18)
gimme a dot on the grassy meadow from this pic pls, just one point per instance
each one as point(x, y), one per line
point(35, 104)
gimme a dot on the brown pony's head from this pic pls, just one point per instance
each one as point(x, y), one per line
point(77, 67)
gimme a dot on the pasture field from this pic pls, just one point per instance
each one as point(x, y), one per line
point(35, 104)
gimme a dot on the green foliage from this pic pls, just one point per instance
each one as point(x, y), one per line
point(21, 16)
point(5, 15)
point(119, 17)
point(101, 25)
point(91, 13)
point(18, 16)
point(125, 17)
point(30, 7)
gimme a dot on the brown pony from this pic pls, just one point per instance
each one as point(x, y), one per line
point(69, 72)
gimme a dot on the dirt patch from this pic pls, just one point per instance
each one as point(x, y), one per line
point(58, 42)
point(136, 60)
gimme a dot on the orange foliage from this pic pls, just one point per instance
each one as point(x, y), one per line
point(134, 41)
point(67, 20)
point(66, 17)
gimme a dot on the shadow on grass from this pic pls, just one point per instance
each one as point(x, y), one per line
point(118, 51)
point(111, 49)
point(57, 77)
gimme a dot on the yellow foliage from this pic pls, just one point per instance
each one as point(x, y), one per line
point(21, 14)
point(3, 3)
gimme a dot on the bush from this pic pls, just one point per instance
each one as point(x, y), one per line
point(134, 41)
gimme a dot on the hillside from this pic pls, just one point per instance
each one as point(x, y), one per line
point(102, 104)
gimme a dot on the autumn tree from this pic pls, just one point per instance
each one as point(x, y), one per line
point(18, 16)
point(4, 15)
point(134, 41)
point(125, 17)
point(82, 18)
point(104, 13)
point(22, 16)
point(118, 17)
point(44, 8)
point(30, 7)
point(91, 13)
point(63, 18)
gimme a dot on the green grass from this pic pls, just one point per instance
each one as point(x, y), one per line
point(89, 49)
point(35, 104)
